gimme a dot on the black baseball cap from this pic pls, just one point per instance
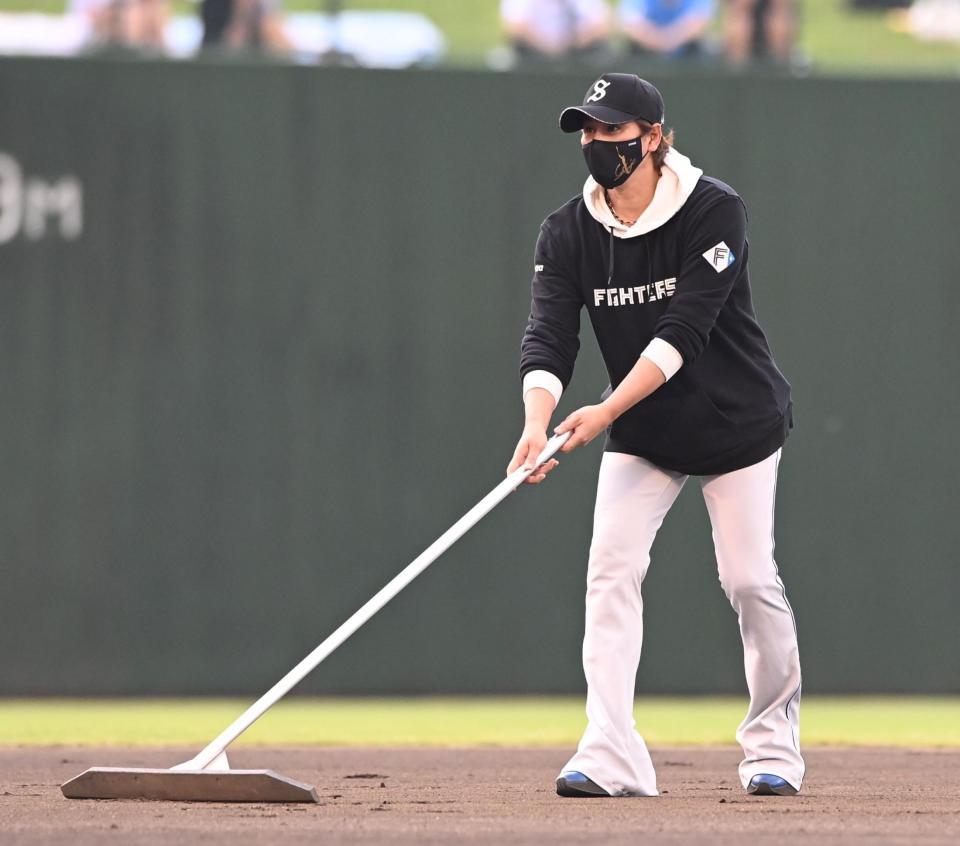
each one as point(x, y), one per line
point(615, 98)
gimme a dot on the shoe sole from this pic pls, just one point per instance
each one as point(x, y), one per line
point(767, 790)
point(567, 790)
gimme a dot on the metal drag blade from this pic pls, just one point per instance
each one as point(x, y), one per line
point(187, 785)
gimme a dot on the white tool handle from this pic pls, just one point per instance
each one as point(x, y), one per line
point(372, 606)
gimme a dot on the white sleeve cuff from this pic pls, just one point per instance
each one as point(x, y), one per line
point(664, 355)
point(546, 380)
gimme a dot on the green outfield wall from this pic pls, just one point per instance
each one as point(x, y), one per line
point(259, 330)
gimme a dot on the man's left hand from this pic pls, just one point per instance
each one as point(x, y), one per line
point(585, 423)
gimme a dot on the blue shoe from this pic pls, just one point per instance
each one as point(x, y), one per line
point(765, 784)
point(577, 784)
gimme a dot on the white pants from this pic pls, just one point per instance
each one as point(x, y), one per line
point(633, 497)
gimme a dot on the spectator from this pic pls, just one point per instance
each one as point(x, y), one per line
point(666, 28)
point(760, 30)
point(244, 25)
point(132, 24)
point(556, 29)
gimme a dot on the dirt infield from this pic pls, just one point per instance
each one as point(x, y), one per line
point(406, 796)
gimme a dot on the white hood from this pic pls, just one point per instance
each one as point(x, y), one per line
point(678, 178)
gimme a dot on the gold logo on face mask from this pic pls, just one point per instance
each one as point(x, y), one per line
point(624, 168)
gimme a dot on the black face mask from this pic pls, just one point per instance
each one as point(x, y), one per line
point(612, 162)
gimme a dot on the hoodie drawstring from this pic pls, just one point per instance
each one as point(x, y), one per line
point(610, 262)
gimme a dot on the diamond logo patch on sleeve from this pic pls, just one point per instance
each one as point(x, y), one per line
point(720, 257)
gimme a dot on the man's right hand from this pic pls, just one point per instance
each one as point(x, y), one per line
point(530, 445)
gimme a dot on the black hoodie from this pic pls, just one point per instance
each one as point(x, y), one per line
point(678, 274)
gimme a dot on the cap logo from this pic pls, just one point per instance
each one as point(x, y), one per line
point(599, 90)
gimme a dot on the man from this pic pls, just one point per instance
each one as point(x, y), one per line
point(760, 30)
point(672, 29)
point(550, 30)
point(657, 253)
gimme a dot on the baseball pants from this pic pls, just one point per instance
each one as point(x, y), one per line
point(633, 497)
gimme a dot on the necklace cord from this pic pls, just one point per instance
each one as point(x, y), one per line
point(620, 220)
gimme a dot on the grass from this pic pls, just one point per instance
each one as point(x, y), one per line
point(478, 721)
point(835, 37)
